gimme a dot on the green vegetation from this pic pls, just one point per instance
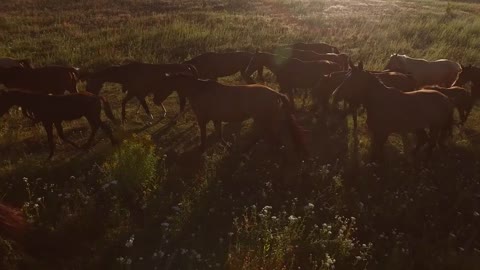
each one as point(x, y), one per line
point(155, 201)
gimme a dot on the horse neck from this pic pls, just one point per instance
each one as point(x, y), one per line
point(374, 90)
point(189, 87)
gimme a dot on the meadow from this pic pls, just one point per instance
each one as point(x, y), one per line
point(155, 202)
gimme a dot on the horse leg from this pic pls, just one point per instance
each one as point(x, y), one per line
point(354, 111)
point(256, 135)
point(289, 92)
point(434, 135)
point(218, 129)
point(108, 131)
point(94, 127)
point(49, 129)
point(59, 128)
point(378, 141)
point(145, 106)
point(203, 135)
point(246, 78)
point(422, 139)
point(124, 103)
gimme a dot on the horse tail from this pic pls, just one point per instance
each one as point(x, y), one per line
point(449, 123)
point(12, 223)
point(458, 70)
point(296, 131)
point(107, 108)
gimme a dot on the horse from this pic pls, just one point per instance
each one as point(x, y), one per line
point(52, 110)
point(8, 62)
point(390, 110)
point(441, 72)
point(13, 224)
point(460, 97)
point(470, 74)
point(316, 47)
point(213, 65)
point(327, 84)
point(216, 102)
point(137, 79)
point(292, 73)
point(341, 59)
point(46, 80)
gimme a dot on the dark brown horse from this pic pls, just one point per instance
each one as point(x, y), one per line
point(341, 59)
point(392, 111)
point(316, 47)
point(216, 102)
point(46, 80)
point(213, 65)
point(460, 97)
point(138, 80)
point(8, 62)
point(470, 74)
point(327, 84)
point(292, 73)
point(53, 110)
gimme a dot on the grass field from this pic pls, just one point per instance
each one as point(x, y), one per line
point(155, 202)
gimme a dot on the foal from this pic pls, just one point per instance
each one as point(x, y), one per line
point(292, 73)
point(213, 65)
point(327, 84)
point(460, 97)
point(213, 101)
point(53, 110)
point(392, 111)
point(138, 80)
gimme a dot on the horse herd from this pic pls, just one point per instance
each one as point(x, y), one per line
point(409, 96)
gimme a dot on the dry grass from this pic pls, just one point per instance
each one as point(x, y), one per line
point(197, 211)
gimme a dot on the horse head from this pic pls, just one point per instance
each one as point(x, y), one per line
point(354, 82)
point(254, 63)
point(394, 63)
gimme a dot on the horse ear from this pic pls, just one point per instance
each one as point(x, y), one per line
point(360, 65)
point(257, 50)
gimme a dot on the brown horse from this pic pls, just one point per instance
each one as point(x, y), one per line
point(213, 65)
point(8, 62)
point(392, 111)
point(138, 80)
point(316, 47)
point(46, 80)
point(460, 97)
point(341, 59)
point(327, 84)
point(441, 72)
point(470, 74)
point(292, 73)
point(213, 101)
point(52, 110)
